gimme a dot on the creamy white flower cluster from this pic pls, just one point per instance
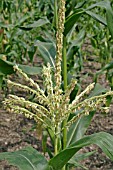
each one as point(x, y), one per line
point(59, 45)
point(47, 110)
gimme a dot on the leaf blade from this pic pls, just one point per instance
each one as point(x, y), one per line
point(31, 70)
point(101, 139)
point(27, 158)
point(78, 129)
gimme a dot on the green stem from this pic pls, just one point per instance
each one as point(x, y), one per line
point(56, 143)
point(55, 147)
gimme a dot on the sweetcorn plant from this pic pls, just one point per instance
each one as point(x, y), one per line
point(52, 107)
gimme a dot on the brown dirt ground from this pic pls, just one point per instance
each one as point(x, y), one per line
point(15, 130)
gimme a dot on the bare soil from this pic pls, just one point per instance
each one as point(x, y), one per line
point(16, 133)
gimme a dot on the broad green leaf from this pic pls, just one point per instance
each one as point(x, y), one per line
point(106, 68)
point(31, 70)
point(48, 37)
point(69, 35)
point(98, 4)
point(74, 161)
point(78, 129)
point(74, 5)
point(71, 20)
point(26, 159)
point(9, 65)
point(6, 68)
point(47, 51)
point(76, 42)
point(109, 17)
point(80, 4)
point(109, 13)
point(97, 17)
point(79, 157)
point(36, 24)
point(76, 164)
point(99, 89)
point(101, 139)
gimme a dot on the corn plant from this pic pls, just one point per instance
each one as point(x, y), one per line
point(78, 23)
point(16, 44)
point(65, 121)
point(17, 19)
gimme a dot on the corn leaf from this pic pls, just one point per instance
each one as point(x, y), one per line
point(109, 17)
point(47, 51)
point(78, 129)
point(9, 65)
point(31, 70)
point(101, 139)
point(74, 161)
point(79, 157)
point(107, 67)
point(4, 65)
point(35, 24)
point(71, 20)
point(77, 42)
point(26, 159)
point(98, 90)
point(97, 17)
point(109, 13)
